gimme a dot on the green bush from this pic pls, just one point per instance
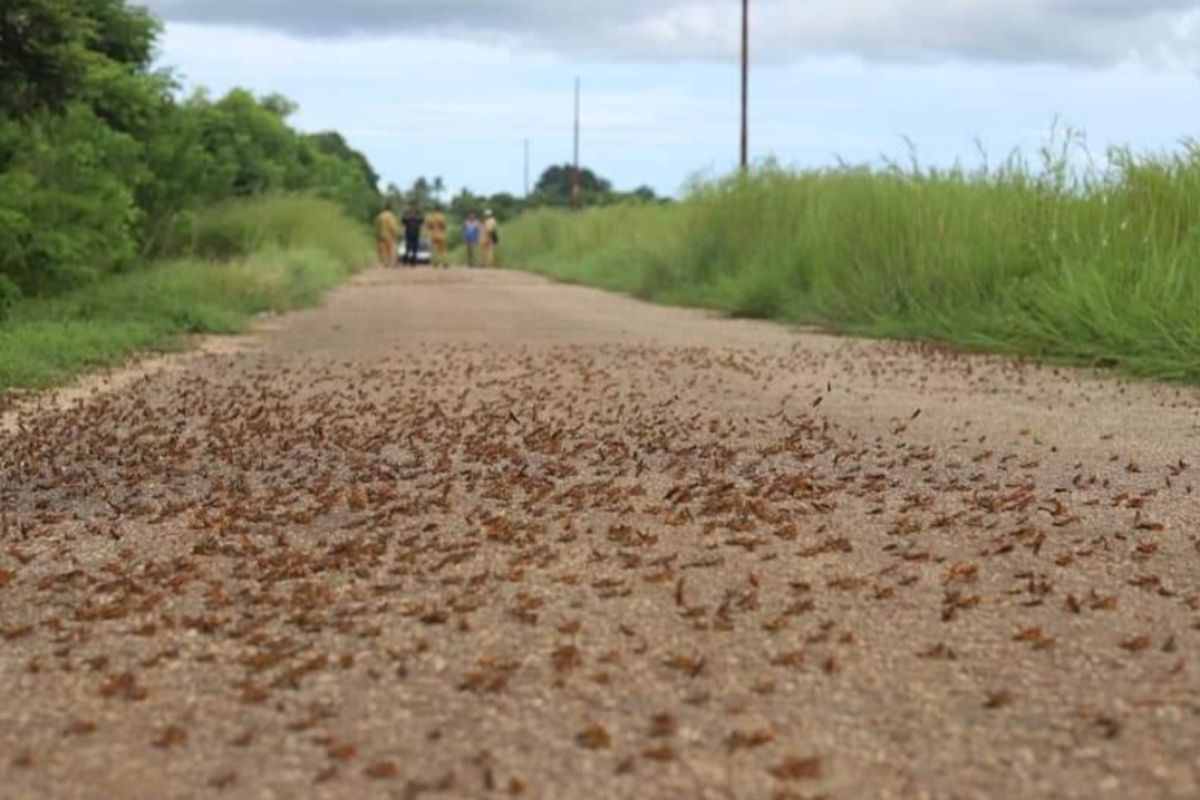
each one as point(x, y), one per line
point(66, 212)
point(10, 293)
point(48, 340)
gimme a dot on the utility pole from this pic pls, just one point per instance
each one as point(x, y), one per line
point(526, 168)
point(745, 85)
point(576, 184)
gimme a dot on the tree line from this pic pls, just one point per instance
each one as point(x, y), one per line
point(103, 165)
point(553, 190)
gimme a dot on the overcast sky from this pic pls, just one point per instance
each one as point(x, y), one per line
point(452, 87)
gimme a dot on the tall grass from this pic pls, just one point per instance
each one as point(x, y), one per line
point(1086, 265)
point(245, 226)
point(277, 254)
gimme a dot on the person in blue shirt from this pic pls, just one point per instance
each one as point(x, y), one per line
point(472, 233)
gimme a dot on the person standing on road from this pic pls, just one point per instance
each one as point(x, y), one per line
point(387, 230)
point(438, 231)
point(414, 222)
point(491, 239)
point(472, 233)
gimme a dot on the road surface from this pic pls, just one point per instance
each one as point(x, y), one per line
point(473, 534)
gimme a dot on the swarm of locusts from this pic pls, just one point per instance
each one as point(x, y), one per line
point(612, 571)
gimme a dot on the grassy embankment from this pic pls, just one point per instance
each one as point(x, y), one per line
point(1091, 266)
point(234, 261)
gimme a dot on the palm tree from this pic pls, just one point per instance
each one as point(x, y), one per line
point(420, 190)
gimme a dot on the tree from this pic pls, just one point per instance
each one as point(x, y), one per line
point(644, 194)
point(332, 143)
point(76, 98)
point(99, 159)
point(343, 174)
point(279, 105)
point(465, 202)
point(553, 190)
point(556, 185)
point(49, 49)
point(420, 190)
point(43, 56)
point(122, 33)
point(506, 206)
point(67, 206)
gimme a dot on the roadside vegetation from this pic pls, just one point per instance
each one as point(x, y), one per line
point(299, 249)
point(130, 214)
point(1084, 265)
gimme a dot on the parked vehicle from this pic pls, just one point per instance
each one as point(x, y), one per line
point(424, 253)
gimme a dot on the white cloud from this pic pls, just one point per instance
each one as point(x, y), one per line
point(1091, 32)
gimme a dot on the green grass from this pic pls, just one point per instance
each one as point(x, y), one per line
point(1080, 266)
point(47, 341)
point(241, 227)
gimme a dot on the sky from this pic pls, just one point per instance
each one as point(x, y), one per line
point(454, 88)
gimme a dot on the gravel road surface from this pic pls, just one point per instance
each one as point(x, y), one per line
point(474, 534)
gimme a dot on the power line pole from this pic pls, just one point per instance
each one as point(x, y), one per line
point(745, 85)
point(576, 183)
point(527, 168)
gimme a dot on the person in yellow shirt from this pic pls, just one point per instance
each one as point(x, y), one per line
point(387, 231)
point(438, 229)
point(491, 239)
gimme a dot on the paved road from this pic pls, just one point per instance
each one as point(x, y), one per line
point(474, 535)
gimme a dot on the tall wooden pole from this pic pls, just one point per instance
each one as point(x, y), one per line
point(576, 182)
point(526, 168)
point(745, 162)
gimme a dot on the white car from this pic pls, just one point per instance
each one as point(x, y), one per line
point(424, 253)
